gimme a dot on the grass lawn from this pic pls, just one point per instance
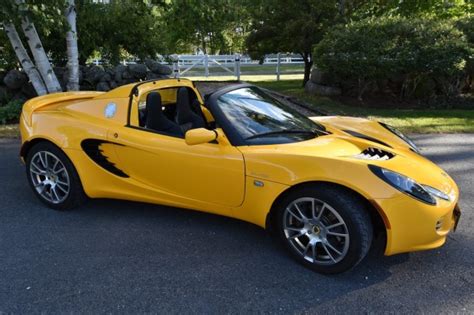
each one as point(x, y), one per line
point(9, 131)
point(410, 121)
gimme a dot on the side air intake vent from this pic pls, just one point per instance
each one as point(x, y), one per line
point(375, 154)
point(92, 148)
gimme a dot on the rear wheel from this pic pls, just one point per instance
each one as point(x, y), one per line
point(53, 177)
point(324, 227)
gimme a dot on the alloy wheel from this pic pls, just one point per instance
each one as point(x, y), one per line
point(49, 177)
point(316, 231)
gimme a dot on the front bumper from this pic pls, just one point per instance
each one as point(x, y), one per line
point(417, 226)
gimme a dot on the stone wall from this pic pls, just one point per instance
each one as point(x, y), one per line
point(14, 84)
point(322, 84)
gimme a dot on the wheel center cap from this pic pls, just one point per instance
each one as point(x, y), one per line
point(316, 230)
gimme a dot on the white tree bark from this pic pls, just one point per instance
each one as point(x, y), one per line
point(41, 59)
point(25, 59)
point(72, 49)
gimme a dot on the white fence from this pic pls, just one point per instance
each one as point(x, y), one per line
point(186, 60)
point(234, 65)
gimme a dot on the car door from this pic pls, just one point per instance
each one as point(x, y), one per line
point(210, 172)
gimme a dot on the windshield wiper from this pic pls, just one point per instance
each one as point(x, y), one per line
point(283, 131)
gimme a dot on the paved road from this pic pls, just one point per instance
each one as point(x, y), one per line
point(114, 256)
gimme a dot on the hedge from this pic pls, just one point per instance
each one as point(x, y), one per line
point(10, 113)
point(410, 58)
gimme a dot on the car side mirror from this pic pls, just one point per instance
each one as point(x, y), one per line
point(199, 136)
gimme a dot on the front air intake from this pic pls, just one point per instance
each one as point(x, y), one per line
point(375, 154)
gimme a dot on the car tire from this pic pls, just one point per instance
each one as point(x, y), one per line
point(325, 227)
point(53, 178)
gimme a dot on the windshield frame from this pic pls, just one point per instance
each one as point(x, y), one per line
point(235, 138)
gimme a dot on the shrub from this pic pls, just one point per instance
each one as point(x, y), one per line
point(10, 113)
point(466, 25)
point(397, 54)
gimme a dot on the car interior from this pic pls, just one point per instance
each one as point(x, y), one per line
point(171, 111)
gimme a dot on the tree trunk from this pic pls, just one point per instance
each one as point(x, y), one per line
point(342, 7)
point(37, 50)
point(25, 59)
point(72, 50)
point(308, 64)
point(203, 42)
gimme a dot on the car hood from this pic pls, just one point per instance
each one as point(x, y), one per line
point(344, 159)
point(362, 128)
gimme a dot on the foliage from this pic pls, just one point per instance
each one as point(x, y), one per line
point(125, 24)
point(290, 26)
point(7, 55)
point(11, 111)
point(110, 29)
point(46, 12)
point(47, 15)
point(122, 26)
point(213, 26)
point(413, 8)
point(410, 51)
point(466, 25)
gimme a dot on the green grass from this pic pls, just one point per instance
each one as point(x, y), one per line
point(410, 121)
point(9, 131)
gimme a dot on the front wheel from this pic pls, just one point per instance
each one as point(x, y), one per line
point(53, 178)
point(325, 227)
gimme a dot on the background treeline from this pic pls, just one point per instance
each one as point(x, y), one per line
point(416, 49)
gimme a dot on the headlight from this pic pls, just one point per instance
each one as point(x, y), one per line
point(435, 192)
point(399, 134)
point(404, 184)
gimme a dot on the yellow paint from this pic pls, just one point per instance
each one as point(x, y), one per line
point(199, 136)
point(220, 178)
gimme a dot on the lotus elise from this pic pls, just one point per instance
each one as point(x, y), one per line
point(325, 186)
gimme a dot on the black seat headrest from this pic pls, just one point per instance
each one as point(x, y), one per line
point(182, 103)
point(156, 119)
point(185, 114)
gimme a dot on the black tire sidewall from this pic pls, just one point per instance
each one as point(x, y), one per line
point(76, 194)
point(348, 207)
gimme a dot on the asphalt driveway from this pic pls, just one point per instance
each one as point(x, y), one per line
point(115, 256)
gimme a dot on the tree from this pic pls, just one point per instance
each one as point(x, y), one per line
point(213, 26)
point(72, 49)
point(413, 8)
point(25, 60)
point(118, 28)
point(23, 13)
point(8, 59)
point(290, 26)
point(37, 49)
point(51, 16)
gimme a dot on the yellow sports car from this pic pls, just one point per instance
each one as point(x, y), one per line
point(325, 185)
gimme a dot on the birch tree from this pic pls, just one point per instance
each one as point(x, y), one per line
point(72, 49)
point(37, 50)
point(25, 60)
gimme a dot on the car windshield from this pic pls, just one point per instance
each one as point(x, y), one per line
point(259, 118)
